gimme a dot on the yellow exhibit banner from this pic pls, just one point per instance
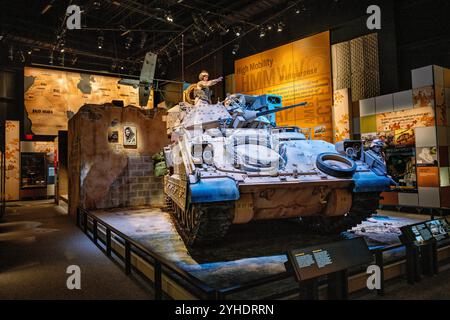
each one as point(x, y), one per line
point(300, 72)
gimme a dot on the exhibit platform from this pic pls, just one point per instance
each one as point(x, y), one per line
point(247, 264)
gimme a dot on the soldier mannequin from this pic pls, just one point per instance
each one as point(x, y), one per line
point(376, 147)
point(202, 92)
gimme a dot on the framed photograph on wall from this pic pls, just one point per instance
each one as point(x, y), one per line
point(113, 136)
point(427, 156)
point(129, 136)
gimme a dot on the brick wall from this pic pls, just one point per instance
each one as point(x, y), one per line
point(136, 186)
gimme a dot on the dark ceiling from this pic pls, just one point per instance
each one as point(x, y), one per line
point(116, 34)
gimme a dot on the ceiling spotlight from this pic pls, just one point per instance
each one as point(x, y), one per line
point(280, 27)
point(128, 42)
point(235, 49)
point(269, 27)
point(30, 51)
point(237, 31)
point(61, 41)
point(100, 40)
point(262, 33)
point(169, 17)
point(223, 28)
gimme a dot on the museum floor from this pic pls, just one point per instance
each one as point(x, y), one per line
point(33, 265)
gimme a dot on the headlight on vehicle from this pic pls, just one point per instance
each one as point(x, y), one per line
point(202, 154)
point(208, 155)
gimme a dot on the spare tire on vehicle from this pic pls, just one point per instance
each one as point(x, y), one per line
point(336, 165)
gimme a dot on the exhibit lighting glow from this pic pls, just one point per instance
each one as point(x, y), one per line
point(235, 49)
point(223, 28)
point(128, 42)
point(169, 17)
point(100, 41)
point(262, 33)
point(280, 27)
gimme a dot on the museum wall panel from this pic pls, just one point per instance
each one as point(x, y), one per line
point(51, 97)
point(12, 158)
point(356, 66)
point(414, 127)
point(299, 71)
point(342, 115)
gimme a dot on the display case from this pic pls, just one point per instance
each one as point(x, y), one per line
point(33, 175)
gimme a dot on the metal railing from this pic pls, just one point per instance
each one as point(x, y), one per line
point(160, 264)
point(196, 287)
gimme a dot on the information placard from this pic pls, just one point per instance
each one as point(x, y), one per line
point(425, 232)
point(315, 261)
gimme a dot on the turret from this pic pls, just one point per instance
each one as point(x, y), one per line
point(242, 118)
point(237, 111)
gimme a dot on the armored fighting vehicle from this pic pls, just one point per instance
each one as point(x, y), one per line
point(229, 163)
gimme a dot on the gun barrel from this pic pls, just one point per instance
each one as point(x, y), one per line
point(263, 113)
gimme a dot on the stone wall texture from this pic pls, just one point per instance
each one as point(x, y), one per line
point(105, 174)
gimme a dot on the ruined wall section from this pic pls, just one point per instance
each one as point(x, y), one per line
point(105, 173)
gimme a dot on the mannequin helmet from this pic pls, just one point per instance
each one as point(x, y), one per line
point(377, 143)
